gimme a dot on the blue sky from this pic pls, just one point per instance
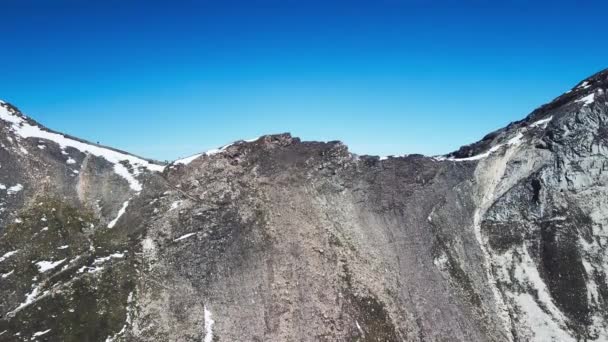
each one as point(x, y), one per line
point(169, 79)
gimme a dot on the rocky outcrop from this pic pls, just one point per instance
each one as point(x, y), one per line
point(282, 240)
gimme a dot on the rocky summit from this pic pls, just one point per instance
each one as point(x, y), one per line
point(279, 239)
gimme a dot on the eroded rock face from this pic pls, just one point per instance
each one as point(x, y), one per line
point(282, 240)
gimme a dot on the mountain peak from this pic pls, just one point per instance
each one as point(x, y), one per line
point(597, 79)
point(580, 94)
point(266, 232)
point(586, 94)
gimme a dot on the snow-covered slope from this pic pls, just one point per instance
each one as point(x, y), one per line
point(125, 165)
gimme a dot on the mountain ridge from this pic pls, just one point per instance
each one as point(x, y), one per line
point(279, 239)
point(586, 86)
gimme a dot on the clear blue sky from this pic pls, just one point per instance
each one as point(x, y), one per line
point(169, 79)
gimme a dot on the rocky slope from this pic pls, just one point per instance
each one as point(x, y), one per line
point(282, 240)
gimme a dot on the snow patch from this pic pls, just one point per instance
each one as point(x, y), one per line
point(100, 261)
point(14, 189)
point(44, 266)
point(184, 237)
point(516, 140)
point(40, 333)
point(208, 326)
point(122, 210)
point(96, 266)
point(26, 130)
point(187, 160)
point(29, 299)
point(542, 123)
point(8, 255)
point(175, 205)
point(587, 100)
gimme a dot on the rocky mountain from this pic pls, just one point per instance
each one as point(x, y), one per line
point(278, 239)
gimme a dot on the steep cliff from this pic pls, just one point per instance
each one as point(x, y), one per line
point(282, 240)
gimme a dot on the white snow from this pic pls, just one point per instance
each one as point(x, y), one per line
point(175, 205)
point(8, 255)
point(63, 247)
point(27, 130)
point(516, 140)
point(217, 150)
point(587, 100)
point(91, 269)
point(70, 161)
point(5, 275)
point(14, 189)
point(120, 213)
point(44, 266)
point(543, 123)
point(208, 326)
point(187, 160)
point(40, 333)
point(95, 267)
point(100, 261)
point(29, 299)
point(184, 237)
point(584, 85)
point(9, 117)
